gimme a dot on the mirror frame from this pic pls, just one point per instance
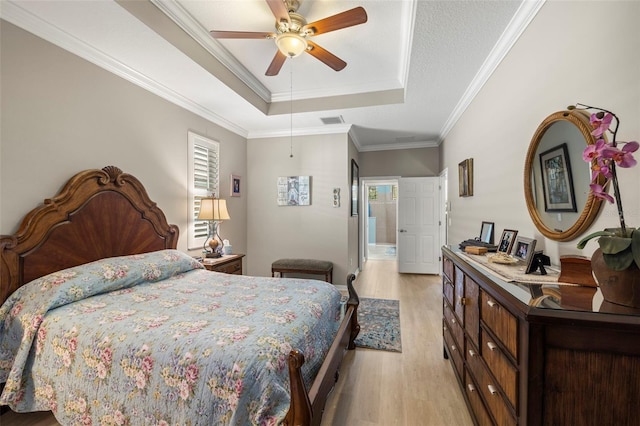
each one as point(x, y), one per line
point(592, 207)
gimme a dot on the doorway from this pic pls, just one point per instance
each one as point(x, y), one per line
point(380, 218)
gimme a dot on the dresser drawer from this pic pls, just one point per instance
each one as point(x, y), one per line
point(454, 350)
point(447, 290)
point(453, 324)
point(458, 306)
point(447, 267)
point(490, 390)
point(501, 322)
point(503, 371)
point(471, 311)
point(477, 406)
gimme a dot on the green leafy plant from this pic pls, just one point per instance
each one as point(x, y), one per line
point(620, 246)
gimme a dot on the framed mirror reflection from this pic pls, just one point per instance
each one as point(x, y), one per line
point(563, 209)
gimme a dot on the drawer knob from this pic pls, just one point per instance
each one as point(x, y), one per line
point(445, 328)
point(491, 303)
point(492, 389)
point(492, 346)
point(453, 348)
point(472, 353)
point(471, 387)
point(453, 320)
point(462, 300)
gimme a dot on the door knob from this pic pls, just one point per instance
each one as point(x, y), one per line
point(402, 230)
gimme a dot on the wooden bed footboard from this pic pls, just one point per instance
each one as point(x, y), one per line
point(306, 409)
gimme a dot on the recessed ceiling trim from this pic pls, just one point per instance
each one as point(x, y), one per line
point(307, 131)
point(392, 146)
point(388, 97)
point(18, 16)
point(192, 27)
point(523, 17)
point(326, 92)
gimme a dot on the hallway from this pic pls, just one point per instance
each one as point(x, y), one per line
point(382, 252)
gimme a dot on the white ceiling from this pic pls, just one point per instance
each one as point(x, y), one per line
point(413, 67)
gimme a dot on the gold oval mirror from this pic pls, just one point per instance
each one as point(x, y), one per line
point(556, 178)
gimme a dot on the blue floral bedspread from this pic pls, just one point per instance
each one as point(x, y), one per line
point(154, 339)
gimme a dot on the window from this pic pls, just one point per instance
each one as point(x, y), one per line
point(204, 181)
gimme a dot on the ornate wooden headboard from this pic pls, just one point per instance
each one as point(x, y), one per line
point(97, 214)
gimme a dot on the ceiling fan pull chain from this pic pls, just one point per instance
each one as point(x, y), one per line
point(291, 107)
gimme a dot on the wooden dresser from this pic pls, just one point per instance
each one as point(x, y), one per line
point(229, 264)
point(538, 354)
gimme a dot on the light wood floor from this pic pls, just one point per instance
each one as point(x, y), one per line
point(415, 388)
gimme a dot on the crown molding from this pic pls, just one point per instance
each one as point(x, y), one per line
point(522, 18)
point(393, 146)
point(18, 16)
point(308, 131)
point(193, 28)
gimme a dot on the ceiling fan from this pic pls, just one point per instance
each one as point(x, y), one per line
point(292, 33)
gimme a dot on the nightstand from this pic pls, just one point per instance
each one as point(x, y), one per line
point(230, 264)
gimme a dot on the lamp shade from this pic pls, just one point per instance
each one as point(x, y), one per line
point(291, 44)
point(213, 209)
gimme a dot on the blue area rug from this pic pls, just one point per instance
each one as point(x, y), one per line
point(379, 324)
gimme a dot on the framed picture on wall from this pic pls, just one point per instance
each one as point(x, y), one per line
point(557, 181)
point(355, 188)
point(235, 185)
point(294, 191)
point(465, 178)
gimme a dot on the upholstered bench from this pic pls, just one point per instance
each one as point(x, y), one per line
point(303, 266)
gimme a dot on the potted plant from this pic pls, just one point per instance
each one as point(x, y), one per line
point(616, 263)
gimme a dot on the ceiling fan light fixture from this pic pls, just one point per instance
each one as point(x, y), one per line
point(291, 44)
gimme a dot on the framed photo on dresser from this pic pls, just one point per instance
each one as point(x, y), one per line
point(506, 240)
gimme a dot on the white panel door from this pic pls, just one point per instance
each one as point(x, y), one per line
point(418, 225)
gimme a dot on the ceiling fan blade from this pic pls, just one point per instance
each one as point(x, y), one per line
point(279, 10)
point(241, 34)
point(276, 64)
point(325, 56)
point(345, 19)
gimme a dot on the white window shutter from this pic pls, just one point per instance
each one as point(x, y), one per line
point(204, 180)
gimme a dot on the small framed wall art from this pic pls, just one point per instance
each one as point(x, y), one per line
point(294, 190)
point(355, 188)
point(235, 185)
point(465, 178)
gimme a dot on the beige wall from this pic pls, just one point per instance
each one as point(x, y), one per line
point(571, 52)
point(62, 114)
point(418, 162)
point(318, 231)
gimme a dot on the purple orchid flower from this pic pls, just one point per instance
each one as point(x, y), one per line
point(600, 124)
point(624, 157)
point(592, 152)
point(598, 191)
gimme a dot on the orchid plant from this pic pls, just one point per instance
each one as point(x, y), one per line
point(620, 246)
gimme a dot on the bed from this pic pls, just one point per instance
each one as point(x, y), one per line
point(104, 322)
